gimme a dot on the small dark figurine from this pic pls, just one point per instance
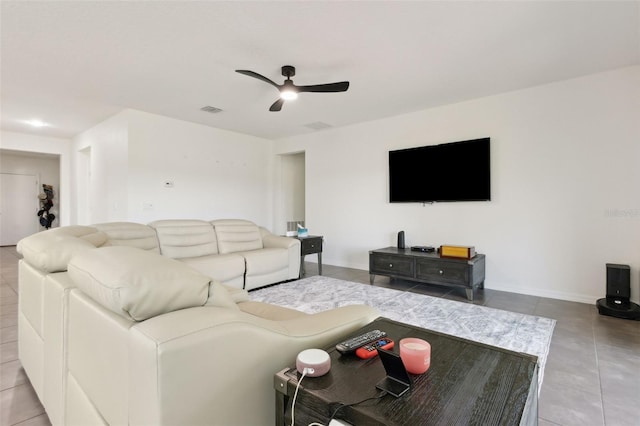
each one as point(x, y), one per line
point(46, 202)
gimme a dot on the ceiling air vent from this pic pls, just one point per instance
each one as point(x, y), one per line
point(212, 110)
point(318, 125)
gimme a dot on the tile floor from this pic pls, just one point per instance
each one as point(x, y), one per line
point(592, 375)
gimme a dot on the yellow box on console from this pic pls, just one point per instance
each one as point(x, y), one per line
point(462, 252)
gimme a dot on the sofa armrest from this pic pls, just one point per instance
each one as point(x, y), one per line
point(343, 317)
point(270, 240)
point(51, 251)
point(207, 365)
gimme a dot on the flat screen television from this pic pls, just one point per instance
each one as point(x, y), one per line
point(456, 171)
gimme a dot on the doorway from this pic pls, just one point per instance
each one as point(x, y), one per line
point(18, 207)
point(293, 189)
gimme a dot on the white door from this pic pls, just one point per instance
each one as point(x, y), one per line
point(18, 207)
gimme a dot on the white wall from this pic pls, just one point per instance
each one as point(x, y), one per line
point(215, 174)
point(100, 164)
point(46, 145)
point(565, 180)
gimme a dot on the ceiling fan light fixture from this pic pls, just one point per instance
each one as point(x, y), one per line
point(289, 95)
point(289, 91)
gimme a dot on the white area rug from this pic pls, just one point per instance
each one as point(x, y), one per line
point(509, 330)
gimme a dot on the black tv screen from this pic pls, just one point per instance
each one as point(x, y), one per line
point(457, 171)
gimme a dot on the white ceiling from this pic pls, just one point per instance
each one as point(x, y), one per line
point(73, 64)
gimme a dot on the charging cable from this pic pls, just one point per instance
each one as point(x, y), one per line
point(305, 371)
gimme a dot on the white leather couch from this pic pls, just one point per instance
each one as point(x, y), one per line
point(126, 324)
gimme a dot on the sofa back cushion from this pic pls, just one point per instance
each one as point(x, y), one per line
point(130, 234)
point(50, 251)
point(236, 235)
point(137, 284)
point(181, 239)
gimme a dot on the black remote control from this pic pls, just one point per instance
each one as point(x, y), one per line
point(350, 345)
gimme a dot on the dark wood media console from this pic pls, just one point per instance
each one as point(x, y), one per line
point(428, 268)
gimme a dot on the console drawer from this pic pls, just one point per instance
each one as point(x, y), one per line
point(443, 272)
point(400, 266)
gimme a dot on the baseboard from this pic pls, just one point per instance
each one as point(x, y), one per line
point(561, 295)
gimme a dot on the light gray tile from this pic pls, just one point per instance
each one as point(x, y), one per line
point(543, 422)
point(8, 334)
point(8, 309)
point(41, 420)
point(11, 374)
point(18, 404)
point(621, 413)
point(568, 406)
point(9, 319)
point(8, 351)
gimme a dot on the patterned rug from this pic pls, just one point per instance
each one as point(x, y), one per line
point(509, 330)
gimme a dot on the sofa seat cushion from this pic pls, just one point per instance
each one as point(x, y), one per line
point(226, 268)
point(269, 311)
point(265, 261)
point(137, 284)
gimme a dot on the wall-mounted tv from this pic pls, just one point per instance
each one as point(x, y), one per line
point(456, 171)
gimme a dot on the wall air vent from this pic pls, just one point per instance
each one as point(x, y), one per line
point(212, 110)
point(318, 125)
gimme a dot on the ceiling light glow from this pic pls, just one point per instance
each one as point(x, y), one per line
point(36, 123)
point(288, 95)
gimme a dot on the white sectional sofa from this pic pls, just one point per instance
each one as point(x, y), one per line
point(235, 252)
point(124, 323)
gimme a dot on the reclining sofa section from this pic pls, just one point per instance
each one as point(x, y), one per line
point(124, 323)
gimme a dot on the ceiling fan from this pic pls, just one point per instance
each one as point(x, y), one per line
point(289, 91)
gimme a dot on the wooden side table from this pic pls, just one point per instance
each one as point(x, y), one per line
point(311, 244)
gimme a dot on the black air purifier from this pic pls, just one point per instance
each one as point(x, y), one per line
point(617, 303)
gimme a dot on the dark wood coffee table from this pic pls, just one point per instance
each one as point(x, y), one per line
point(468, 383)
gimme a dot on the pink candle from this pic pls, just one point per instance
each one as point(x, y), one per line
point(415, 354)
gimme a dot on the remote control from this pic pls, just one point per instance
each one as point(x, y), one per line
point(350, 345)
point(371, 350)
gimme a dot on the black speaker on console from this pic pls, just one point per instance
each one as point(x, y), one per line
point(401, 240)
point(617, 303)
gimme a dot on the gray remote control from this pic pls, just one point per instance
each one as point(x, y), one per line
point(350, 345)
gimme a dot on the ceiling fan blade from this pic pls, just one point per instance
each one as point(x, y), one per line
point(341, 86)
point(277, 105)
point(258, 76)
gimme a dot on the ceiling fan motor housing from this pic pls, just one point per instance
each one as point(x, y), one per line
point(288, 71)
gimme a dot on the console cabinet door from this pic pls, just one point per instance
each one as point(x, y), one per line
point(442, 272)
point(397, 266)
